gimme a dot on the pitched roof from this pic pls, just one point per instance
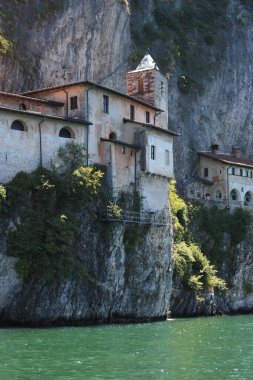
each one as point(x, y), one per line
point(227, 159)
point(89, 83)
point(45, 116)
point(147, 63)
point(192, 179)
point(151, 126)
point(29, 98)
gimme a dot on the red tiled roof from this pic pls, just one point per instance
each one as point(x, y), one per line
point(45, 116)
point(38, 100)
point(225, 158)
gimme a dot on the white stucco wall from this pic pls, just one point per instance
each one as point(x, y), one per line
point(221, 175)
point(155, 192)
point(20, 150)
point(162, 143)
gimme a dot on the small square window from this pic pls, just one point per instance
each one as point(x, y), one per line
point(147, 117)
point(73, 102)
point(152, 152)
point(105, 104)
point(132, 112)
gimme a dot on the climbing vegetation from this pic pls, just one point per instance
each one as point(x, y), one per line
point(114, 210)
point(192, 267)
point(5, 44)
point(2, 195)
point(48, 205)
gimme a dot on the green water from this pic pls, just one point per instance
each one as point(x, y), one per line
point(201, 348)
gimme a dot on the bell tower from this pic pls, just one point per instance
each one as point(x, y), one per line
point(147, 83)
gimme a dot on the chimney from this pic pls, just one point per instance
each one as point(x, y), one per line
point(214, 148)
point(236, 152)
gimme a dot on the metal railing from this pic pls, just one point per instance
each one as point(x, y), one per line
point(145, 218)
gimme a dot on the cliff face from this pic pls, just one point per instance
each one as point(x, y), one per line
point(236, 269)
point(239, 297)
point(67, 41)
point(117, 282)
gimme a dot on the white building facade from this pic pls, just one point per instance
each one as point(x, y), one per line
point(225, 179)
point(126, 132)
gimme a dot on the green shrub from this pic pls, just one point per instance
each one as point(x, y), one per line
point(192, 267)
point(49, 204)
point(5, 44)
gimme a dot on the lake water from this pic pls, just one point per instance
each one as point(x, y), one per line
point(217, 348)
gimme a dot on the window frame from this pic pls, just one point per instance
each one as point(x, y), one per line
point(152, 152)
point(105, 103)
point(132, 112)
point(147, 117)
point(206, 172)
point(73, 103)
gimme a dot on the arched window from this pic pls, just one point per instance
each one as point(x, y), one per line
point(18, 126)
point(113, 136)
point(248, 198)
point(66, 133)
point(234, 195)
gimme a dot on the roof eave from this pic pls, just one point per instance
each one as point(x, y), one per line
point(45, 116)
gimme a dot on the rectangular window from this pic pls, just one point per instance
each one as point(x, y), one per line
point(105, 104)
point(247, 173)
point(233, 171)
point(123, 150)
point(241, 172)
point(141, 86)
point(147, 117)
point(250, 174)
point(73, 102)
point(152, 152)
point(132, 112)
point(206, 172)
point(167, 157)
